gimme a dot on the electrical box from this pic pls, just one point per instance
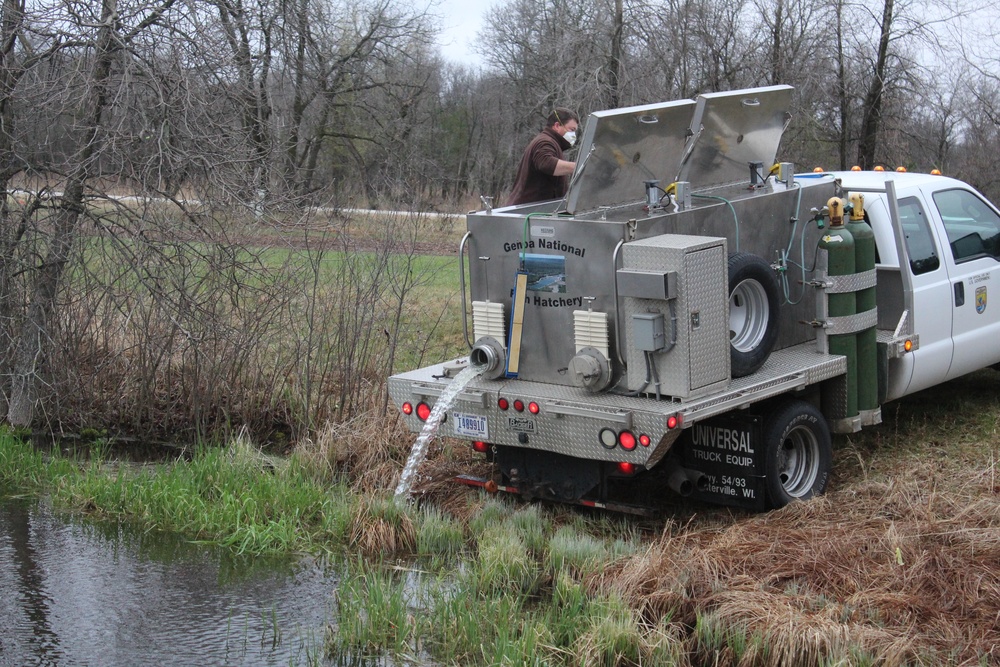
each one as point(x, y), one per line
point(648, 331)
point(694, 358)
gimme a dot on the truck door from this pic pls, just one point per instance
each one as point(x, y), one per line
point(931, 300)
point(972, 258)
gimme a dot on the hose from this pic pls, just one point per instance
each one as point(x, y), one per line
point(736, 218)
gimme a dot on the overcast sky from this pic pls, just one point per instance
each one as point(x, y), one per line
point(462, 20)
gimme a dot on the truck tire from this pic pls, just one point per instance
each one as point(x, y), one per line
point(798, 453)
point(753, 312)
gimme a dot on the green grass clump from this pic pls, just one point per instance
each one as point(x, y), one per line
point(233, 496)
point(494, 510)
point(372, 612)
point(438, 534)
point(504, 564)
point(575, 551)
point(534, 525)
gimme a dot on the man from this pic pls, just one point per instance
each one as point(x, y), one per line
point(543, 173)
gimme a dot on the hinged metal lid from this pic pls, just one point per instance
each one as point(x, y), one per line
point(708, 142)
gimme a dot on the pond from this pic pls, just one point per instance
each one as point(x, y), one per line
point(77, 592)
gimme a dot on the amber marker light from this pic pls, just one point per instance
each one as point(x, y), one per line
point(817, 170)
point(935, 172)
point(879, 168)
point(908, 345)
point(901, 170)
point(855, 168)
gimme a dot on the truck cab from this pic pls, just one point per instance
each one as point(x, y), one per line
point(949, 239)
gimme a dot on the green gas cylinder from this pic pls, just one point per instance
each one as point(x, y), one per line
point(839, 245)
point(864, 260)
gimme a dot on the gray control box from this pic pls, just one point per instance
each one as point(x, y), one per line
point(647, 331)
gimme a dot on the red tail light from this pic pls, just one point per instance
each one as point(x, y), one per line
point(519, 405)
point(644, 440)
point(480, 446)
point(626, 468)
point(533, 408)
point(503, 404)
point(626, 440)
point(407, 408)
point(423, 411)
point(673, 421)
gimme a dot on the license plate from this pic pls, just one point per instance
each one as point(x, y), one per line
point(523, 424)
point(473, 426)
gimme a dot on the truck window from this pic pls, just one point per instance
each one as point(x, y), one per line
point(973, 227)
point(919, 245)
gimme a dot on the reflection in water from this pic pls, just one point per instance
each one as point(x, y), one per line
point(78, 593)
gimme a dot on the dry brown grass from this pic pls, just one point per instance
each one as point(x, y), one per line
point(379, 527)
point(893, 569)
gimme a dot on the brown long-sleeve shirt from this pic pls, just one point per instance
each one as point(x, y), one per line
point(535, 180)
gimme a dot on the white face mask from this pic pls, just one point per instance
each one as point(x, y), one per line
point(570, 137)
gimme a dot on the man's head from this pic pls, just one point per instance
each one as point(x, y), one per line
point(563, 121)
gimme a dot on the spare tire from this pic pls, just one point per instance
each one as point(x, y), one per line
point(753, 312)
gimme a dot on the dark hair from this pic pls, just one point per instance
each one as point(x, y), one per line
point(561, 115)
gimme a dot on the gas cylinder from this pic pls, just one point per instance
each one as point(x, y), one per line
point(839, 245)
point(864, 260)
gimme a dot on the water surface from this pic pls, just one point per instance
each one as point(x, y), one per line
point(75, 592)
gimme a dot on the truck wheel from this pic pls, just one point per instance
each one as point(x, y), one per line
point(753, 312)
point(797, 464)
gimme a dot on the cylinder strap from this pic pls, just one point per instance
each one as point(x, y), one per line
point(852, 282)
point(848, 324)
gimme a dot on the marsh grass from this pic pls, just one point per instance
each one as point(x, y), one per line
point(233, 496)
point(899, 564)
point(373, 614)
point(438, 534)
point(383, 526)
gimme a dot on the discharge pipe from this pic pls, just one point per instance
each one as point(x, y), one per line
point(490, 355)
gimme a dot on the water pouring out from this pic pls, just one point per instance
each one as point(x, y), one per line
point(440, 409)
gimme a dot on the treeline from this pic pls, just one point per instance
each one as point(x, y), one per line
point(215, 114)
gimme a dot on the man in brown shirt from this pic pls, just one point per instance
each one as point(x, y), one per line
point(543, 173)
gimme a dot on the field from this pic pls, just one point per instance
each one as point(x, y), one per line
point(898, 564)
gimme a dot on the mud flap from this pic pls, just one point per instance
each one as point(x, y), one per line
point(728, 451)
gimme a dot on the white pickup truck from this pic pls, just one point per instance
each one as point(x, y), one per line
point(692, 310)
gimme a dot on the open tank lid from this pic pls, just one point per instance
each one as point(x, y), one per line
point(732, 129)
point(622, 148)
point(708, 142)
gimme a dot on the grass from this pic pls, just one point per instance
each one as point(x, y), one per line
point(899, 564)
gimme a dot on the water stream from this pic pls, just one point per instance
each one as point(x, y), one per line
point(440, 409)
point(75, 592)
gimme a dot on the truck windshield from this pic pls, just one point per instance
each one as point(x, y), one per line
point(973, 227)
